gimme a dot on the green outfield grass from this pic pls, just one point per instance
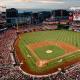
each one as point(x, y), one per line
point(65, 36)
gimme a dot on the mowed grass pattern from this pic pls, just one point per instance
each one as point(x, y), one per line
point(65, 36)
point(58, 35)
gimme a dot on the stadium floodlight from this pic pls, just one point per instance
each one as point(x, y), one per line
point(17, 24)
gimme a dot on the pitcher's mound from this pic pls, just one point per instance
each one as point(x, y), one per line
point(49, 51)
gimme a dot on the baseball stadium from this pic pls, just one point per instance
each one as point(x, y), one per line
point(44, 52)
point(40, 45)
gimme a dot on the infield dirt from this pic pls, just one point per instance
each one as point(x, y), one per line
point(68, 49)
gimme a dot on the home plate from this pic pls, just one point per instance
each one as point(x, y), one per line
point(49, 51)
point(28, 56)
point(60, 60)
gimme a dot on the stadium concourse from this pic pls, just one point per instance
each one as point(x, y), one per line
point(10, 65)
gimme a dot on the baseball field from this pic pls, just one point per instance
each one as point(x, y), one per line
point(45, 52)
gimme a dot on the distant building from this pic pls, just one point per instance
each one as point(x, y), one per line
point(11, 12)
point(60, 14)
point(14, 18)
point(39, 17)
point(11, 16)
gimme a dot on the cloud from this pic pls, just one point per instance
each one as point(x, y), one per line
point(23, 0)
point(50, 2)
point(41, 1)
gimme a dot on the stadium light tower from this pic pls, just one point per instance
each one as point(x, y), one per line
point(17, 24)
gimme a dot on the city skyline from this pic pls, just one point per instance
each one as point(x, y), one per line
point(37, 4)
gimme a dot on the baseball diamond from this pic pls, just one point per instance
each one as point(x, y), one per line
point(44, 52)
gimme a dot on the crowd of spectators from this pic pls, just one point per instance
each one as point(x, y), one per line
point(75, 26)
point(7, 70)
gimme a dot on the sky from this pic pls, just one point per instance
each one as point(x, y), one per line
point(40, 4)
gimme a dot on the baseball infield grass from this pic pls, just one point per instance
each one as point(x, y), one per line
point(49, 52)
point(70, 37)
